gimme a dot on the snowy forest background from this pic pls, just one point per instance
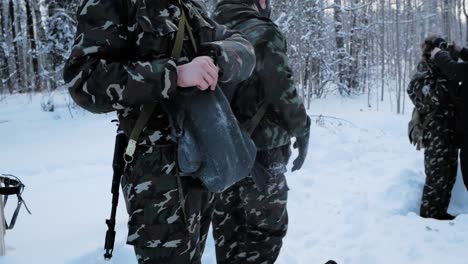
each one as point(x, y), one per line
point(346, 47)
point(355, 201)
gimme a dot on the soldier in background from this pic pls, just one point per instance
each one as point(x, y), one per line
point(433, 96)
point(250, 219)
point(122, 60)
point(457, 71)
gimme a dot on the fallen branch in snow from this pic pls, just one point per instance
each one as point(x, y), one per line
point(320, 120)
point(69, 109)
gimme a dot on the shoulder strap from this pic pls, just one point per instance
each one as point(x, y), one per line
point(147, 109)
point(253, 123)
point(189, 28)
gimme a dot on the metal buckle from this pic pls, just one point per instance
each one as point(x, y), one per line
point(130, 151)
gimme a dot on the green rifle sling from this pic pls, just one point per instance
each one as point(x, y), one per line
point(148, 109)
point(255, 121)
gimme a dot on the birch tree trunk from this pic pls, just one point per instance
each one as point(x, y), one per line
point(21, 45)
point(465, 12)
point(446, 18)
point(30, 45)
point(10, 54)
point(398, 55)
point(3, 62)
point(340, 46)
point(458, 20)
point(39, 35)
point(382, 49)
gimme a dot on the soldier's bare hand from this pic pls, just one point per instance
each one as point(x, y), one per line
point(200, 72)
point(434, 52)
point(457, 47)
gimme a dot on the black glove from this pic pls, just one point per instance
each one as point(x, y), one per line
point(302, 144)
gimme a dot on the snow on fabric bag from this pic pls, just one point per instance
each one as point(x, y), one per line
point(211, 145)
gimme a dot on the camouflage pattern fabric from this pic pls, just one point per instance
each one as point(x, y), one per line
point(440, 162)
point(250, 220)
point(271, 81)
point(428, 90)
point(249, 225)
point(112, 68)
point(101, 80)
point(168, 213)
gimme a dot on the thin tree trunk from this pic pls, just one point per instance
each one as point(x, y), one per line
point(3, 62)
point(40, 38)
point(398, 55)
point(459, 20)
point(11, 78)
point(465, 12)
point(354, 50)
point(340, 47)
point(46, 65)
point(21, 45)
point(306, 87)
point(31, 48)
point(446, 19)
point(382, 50)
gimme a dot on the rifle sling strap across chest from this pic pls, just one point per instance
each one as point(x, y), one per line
point(253, 123)
point(148, 109)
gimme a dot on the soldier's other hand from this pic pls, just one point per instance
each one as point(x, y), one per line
point(302, 144)
point(200, 72)
point(434, 52)
point(457, 47)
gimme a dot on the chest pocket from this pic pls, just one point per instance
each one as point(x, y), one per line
point(156, 27)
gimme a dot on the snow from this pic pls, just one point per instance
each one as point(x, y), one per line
point(356, 200)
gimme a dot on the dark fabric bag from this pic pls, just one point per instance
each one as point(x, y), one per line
point(211, 145)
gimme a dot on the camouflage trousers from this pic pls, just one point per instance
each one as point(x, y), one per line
point(248, 224)
point(169, 215)
point(440, 162)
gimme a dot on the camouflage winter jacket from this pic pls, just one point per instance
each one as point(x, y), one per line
point(272, 79)
point(429, 91)
point(108, 72)
point(456, 71)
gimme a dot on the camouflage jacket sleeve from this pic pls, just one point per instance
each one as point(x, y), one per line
point(456, 71)
point(95, 74)
point(464, 54)
point(421, 90)
point(275, 75)
point(235, 55)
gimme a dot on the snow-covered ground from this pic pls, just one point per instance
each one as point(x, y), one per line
point(356, 200)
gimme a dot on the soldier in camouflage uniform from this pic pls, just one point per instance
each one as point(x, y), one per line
point(429, 91)
point(456, 70)
point(250, 219)
point(115, 69)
